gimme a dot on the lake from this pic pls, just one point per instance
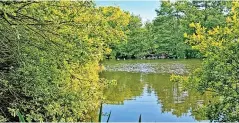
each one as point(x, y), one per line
point(143, 88)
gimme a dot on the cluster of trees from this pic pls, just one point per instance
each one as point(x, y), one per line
point(49, 58)
point(50, 53)
point(207, 29)
point(219, 72)
point(164, 36)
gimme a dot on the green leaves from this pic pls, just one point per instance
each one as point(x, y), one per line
point(20, 116)
point(165, 35)
point(219, 73)
point(51, 52)
point(139, 41)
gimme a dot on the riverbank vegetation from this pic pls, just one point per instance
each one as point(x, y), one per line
point(164, 36)
point(219, 72)
point(50, 53)
point(49, 58)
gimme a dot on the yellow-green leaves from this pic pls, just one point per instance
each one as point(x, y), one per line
point(54, 48)
point(219, 71)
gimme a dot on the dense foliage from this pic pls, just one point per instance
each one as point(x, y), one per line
point(138, 40)
point(49, 58)
point(220, 69)
point(164, 36)
point(50, 53)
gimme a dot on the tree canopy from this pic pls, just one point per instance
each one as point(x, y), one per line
point(51, 53)
point(164, 36)
point(48, 50)
point(219, 71)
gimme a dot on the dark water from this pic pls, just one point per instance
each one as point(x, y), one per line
point(143, 87)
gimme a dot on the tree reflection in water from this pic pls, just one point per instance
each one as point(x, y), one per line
point(169, 95)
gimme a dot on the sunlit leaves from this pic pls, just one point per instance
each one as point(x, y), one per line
point(57, 47)
point(219, 71)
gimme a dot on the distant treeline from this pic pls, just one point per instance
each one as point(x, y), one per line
point(164, 36)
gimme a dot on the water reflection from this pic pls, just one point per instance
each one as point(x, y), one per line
point(153, 96)
point(128, 87)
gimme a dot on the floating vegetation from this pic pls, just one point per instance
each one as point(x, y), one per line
point(172, 68)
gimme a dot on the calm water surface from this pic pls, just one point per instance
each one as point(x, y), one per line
point(143, 87)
